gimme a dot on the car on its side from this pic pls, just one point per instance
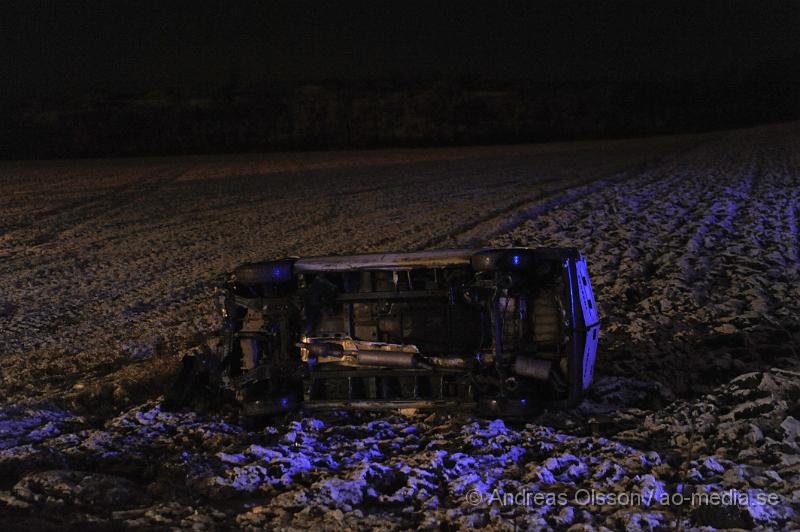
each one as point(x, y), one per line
point(501, 330)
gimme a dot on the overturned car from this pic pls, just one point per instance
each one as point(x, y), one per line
point(503, 331)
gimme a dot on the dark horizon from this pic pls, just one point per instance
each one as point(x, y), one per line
point(88, 46)
point(136, 78)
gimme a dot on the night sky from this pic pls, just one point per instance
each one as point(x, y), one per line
point(64, 47)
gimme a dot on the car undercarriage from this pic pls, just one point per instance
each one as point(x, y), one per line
point(502, 331)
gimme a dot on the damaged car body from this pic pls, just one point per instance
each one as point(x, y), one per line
point(500, 330)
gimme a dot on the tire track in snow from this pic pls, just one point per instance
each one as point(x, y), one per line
point(477, 232)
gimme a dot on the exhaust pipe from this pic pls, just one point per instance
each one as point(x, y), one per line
point(394, 359)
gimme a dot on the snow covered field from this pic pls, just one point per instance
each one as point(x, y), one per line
point(106, 270)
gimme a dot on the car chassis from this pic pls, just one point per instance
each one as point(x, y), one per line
point(505, 331)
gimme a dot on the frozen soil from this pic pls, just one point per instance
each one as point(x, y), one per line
point(106, 272)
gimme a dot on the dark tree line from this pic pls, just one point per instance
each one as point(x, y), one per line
point(338, 115)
